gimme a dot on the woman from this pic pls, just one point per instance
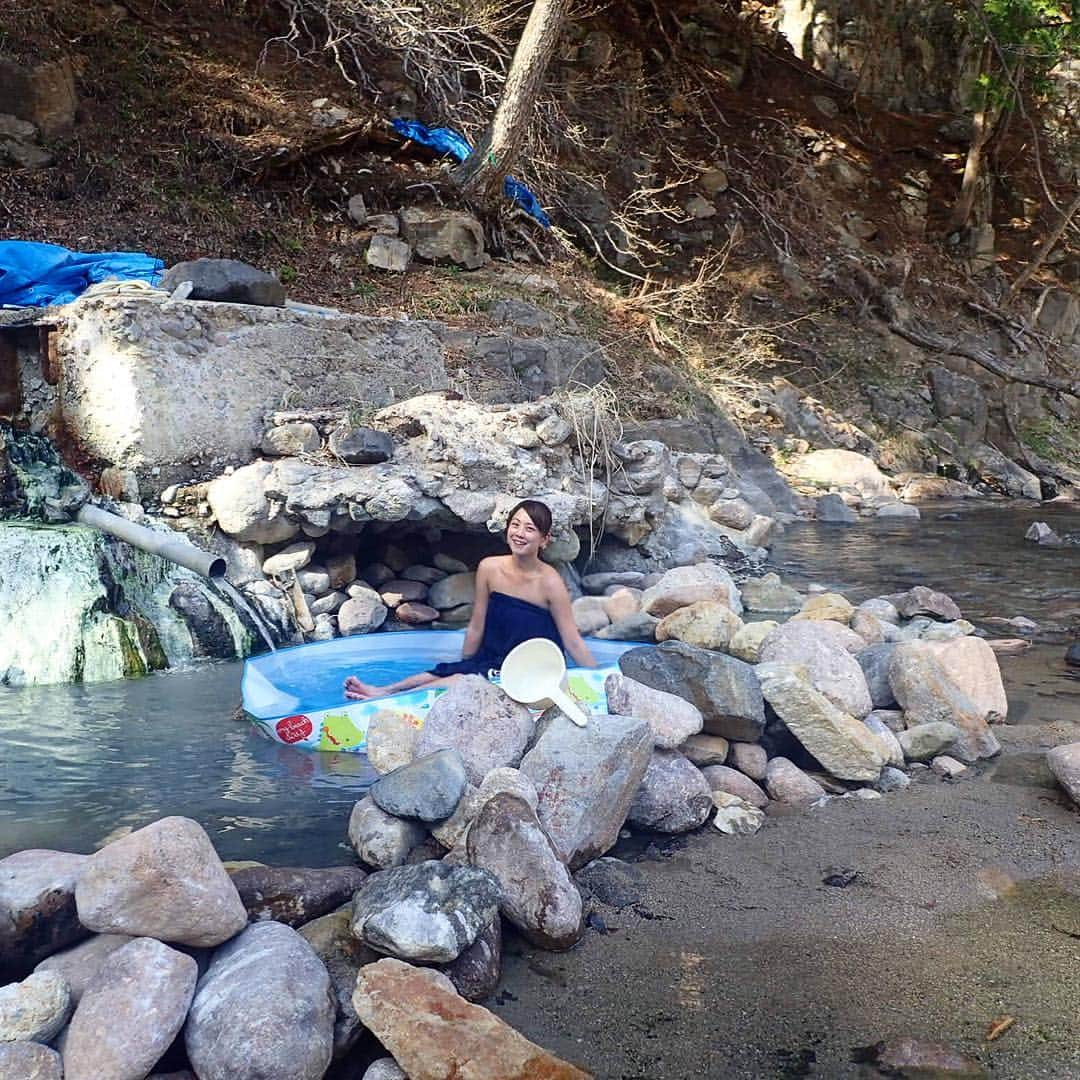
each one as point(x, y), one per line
point(518, 597)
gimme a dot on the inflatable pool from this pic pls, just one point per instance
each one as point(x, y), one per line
point(294, 696)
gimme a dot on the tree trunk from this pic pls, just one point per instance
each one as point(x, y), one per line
point(500, 144)
point(982, 125)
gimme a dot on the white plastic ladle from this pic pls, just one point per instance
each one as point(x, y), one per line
point(534, 674)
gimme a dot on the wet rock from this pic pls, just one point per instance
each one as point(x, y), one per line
point(226, 281)
point(923, 601)
point(888, 739)
point(898, 510)
point(707, 624)
point(428, 912)
point(37, 907)
point(704, 750)
point(1064, 763)
point(746, 644)
point(263, 1011)
point(1041, 533)
point(344, 956)
point(733, 782)
point(434, 1033)
point(391, 741)
point(832, 669)
point(537, 893)
point(672, 719)
point(475, 973)
point(585, 780)
point(379, 838)
point(130, 1013)
point(481, 722)
point(769, 594)
point(787, 783)
point(35, 1009)
point(843, 745)
point(361, 445)
point(441, 235)
point(735, 816)
point(674, 796)
point(288, 440)
point(687, 585)
point(913, 1058)
point(972, 666)
point(948, 768)
point(163, 881)
point(874, 661)
point(927, 694)
point(612, 882)
point(749, 758)
point(724, 690)
point(210, 633)
point(295, 896)
point(427, 789)
point(926, 741)
point(833, 509)
point(363, 613)
point(79, 964)
point(30, 1061)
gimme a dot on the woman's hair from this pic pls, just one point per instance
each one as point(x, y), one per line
point(538, 513)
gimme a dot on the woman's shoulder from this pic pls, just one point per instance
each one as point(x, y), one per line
point(553, 581)
point(492, 564)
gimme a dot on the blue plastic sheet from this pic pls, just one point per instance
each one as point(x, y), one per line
point(36, 275)
point(451, 142)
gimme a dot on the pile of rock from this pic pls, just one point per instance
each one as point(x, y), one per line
point(434, 234)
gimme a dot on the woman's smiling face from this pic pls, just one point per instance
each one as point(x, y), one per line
point(523, 536)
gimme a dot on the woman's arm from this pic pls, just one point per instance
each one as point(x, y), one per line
point(474, 633)
point(563, 614)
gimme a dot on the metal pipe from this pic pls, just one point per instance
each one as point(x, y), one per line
point(166, 545)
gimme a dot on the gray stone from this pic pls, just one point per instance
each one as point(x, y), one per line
point(448, 564)
point(972, 666)
point(688, 584)
point(673, 797)
point(612, 882)
point(357, 209)
point(724, 690)
point(388, 253)
point(881, 608)
point(292, 558)
point(428, 789)
point(481, 722)
point(79, 964)
point(362, 613)
point(380, 839)
point(870, 628)
point(264, 1010)
point(948, 768)
point(425, 575)
point(413, 614)
point(295, 896)
point(926, 741)
point(452, 591)
point(328, 604)
point(874, 661)
point(537, 893)
point(898, 510)
point(843, 745)
point(288, 440)
point(705, 750)
point(441, 235)
point(599, 583)
point(37, 907)
point(35, 1009)
point(314, 580)
point(769, 593)
point(888, 739)
point(892, 779)
point(672, 719)
point(130, 1014)
point(30, 1061)
point(636, 627)
point(833, 509)
point(497, 782)
point(1064, 763)
point(832, 669)
point(163, 881)
point(226, 281)
point(841, 468)
point(341, 569)
point(787, 783)
point(384, 1069)
point(585, 779)
point(429, 912)
point(361, 445)
point(734, 782)
point(749, 758)
point(590, 614)
point(923, 601)
point(475, 973)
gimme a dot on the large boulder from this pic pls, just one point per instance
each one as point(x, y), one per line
point(295, 896)
point(504, 781)
point(844, 746)
point(708, 624)
point(841, 468)
point(226, 281)
point(672, 719)
point(30, 1061)
point(441, 235)
point(379, 838)
point(37, 907)
point(687, 585)
point(242, 510)
point(264, 1010)
point(724, 690)
point(536, 892)
point(973, 668)
point(130, 1013)
point(481, 722)
point(1064, 763)
point(35, 1009)
point(80, 964)
point(585, 779)
point(674, 796)
point(429, 912)
point(427, 789)
point(832, 668)
point(163, 881)
point(434, 1034)
point(927, 695)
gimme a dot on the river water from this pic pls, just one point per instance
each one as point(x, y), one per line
point(80, 762)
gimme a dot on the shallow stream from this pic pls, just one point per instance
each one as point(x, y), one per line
point(82, 761)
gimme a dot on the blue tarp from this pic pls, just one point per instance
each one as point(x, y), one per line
point(36, 275)
point(455, 144)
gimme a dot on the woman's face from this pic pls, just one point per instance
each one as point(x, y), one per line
point(523, 536)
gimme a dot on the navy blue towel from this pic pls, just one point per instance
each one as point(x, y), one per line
point(509, 622)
